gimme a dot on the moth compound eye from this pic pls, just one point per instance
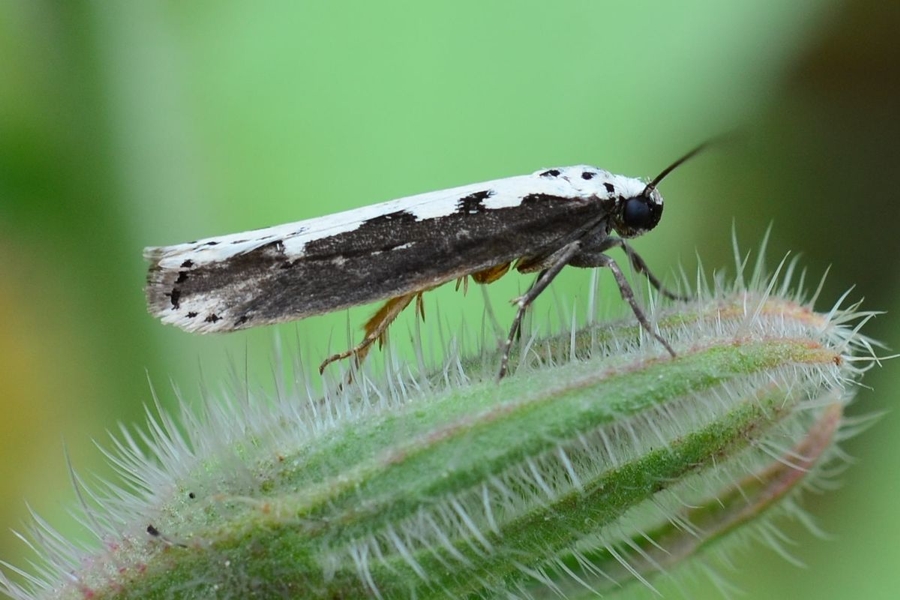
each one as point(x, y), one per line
point(637, 213)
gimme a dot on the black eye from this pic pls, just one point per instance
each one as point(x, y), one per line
point(637, 213)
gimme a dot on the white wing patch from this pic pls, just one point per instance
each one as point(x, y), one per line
point(579, 181)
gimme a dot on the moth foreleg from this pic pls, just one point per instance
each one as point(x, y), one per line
point(592, 258)
point(561, 259)
point(640, 265)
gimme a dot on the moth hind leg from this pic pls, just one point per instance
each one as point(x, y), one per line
point(376, 328)
point(491, 274)
point(483, 277)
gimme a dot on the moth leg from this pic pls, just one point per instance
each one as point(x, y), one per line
point(375, 329)
point(463, 282)
point(597, 259)
point(491, 274)
point(640, 265)
point(420, 306)
point(561, 259)
point(533, 283)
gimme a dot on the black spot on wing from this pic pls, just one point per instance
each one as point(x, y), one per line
point(550, 173)
point(213, 318)
point(394, 218)
point(610, 188)
point(473, 203)
point(187, 264)
point(586, 175)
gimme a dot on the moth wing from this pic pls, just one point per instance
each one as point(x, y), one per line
point(359, 256)
point(210, 284)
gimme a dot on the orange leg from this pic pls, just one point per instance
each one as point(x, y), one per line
point(491, 275)
point(376, 327)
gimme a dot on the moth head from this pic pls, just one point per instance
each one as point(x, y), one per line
point(639, 214)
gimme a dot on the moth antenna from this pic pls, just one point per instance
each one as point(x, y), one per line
point(652, 185)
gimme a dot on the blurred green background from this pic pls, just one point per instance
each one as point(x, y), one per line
point(126, 124)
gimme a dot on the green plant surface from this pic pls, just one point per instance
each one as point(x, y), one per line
point(607, 464)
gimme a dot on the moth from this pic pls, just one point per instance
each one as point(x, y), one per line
point(398, 250)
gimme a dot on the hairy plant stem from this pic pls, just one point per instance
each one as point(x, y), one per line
point(601, 462)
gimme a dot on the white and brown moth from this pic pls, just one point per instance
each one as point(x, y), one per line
point(397, 250)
